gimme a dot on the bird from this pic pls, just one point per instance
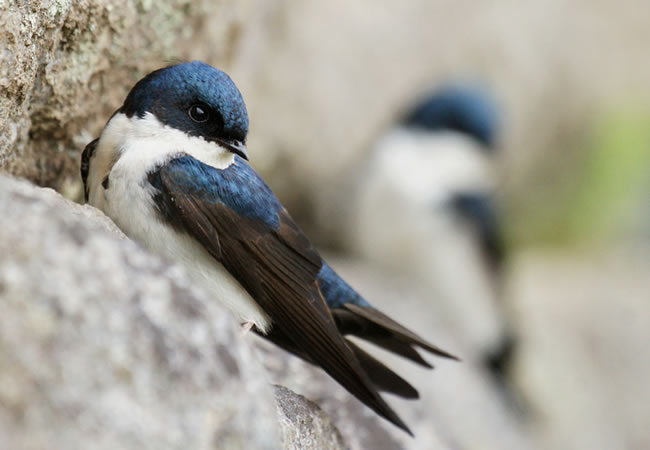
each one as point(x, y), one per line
point(171, 169)
point(424, 203)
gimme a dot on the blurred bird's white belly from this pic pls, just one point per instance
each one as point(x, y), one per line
point(402, 220)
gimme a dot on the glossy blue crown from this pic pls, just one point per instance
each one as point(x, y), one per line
point(171, 86)
point(459, 108)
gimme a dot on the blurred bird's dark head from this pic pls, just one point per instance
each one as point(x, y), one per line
point(458, 108)
point(194, 98)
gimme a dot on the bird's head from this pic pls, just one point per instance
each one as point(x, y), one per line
point(461, 108)
point(196, 99)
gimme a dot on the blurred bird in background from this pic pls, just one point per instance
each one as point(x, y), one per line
point(425, 206)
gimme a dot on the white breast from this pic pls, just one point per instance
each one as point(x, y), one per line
point(401, 222)
point(405, 190)
point(129, 149)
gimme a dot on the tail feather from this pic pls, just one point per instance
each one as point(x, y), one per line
point(381, 376)
point(375, 326)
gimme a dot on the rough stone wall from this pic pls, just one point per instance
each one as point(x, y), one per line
point(66, 65)
point(304, 424)
point(105, 344)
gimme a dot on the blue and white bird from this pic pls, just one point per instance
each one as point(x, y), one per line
point(171, 169)
point(423, 205)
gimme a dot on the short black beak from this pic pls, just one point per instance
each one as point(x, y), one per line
point(234, 146)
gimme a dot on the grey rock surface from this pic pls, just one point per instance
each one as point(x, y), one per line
point(104, 346)
point(65, 66)
point(360, 427)
point(583, 364)
point(303, 424)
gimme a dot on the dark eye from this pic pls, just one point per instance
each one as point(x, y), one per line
point(198, 113)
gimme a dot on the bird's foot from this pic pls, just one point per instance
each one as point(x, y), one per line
point(246, 327)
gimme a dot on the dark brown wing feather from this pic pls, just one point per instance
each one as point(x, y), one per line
point(350, 323)
point(85, 164)
point(385, 332)
point(278, 268)
point(381, 376)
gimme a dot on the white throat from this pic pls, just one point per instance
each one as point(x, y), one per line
point(145, 143)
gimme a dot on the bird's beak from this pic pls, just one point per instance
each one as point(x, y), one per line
point(234, 146)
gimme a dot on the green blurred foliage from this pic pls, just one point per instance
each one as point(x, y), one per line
point(584, 200)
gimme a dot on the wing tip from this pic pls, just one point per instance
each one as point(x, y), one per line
point(387, 413)
point(383, 378)
point(399, 332)
point(441, 353)
point(404, 427)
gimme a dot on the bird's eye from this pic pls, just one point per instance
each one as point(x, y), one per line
point(198, 113)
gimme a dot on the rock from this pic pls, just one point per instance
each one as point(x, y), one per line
point(303, 424)
point(105, 346)
point(360, 427)
point(583, 365)
point(65, 66)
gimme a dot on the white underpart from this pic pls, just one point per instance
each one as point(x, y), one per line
point(402, 220)
point(128, 149)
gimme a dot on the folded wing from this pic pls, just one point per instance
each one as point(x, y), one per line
point(240, 222)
